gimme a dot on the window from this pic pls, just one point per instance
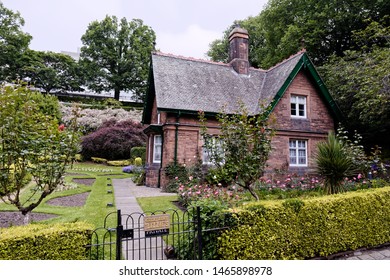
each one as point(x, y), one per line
point(214, 152)
point(157, 148)
point(298, 106)
point(298, 152)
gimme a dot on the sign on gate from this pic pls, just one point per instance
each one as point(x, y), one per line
point(156, 225)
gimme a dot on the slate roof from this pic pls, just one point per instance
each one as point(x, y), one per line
point(189, 85)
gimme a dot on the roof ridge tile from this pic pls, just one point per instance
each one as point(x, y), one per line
point(302, 51)
point(199, 60)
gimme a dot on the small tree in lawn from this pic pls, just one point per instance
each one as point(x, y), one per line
point(240, 151)
point(32, 145)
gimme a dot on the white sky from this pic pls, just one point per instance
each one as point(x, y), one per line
point(183, 27)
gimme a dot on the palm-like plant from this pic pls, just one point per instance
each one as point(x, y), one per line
point(333, 163)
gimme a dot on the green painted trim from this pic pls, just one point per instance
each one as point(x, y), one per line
point(185, 112)
point(286, 84)
point(306, 63)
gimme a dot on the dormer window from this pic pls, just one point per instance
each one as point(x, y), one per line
point(298, 106)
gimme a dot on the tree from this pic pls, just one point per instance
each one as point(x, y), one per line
point(360, 83)
point(322, 27)
point(242, 147)
point(52, 71)
point(116, 55)
point(13, 43)
point(32, 145)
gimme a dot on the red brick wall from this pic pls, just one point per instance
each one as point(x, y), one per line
point(313, 129)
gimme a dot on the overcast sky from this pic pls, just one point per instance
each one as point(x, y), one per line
point(183, 27)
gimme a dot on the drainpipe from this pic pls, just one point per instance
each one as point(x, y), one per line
point(176, 137)
point(162, 155)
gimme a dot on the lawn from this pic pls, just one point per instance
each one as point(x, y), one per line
point(95, 208)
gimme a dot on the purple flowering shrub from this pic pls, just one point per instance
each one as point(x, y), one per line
point(132, 169)
point(113, 140)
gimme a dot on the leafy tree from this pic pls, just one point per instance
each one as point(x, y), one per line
point(243, 146)
point(322, 27)
point(334, 164)
point(360, 83)
point(31, 144)
point(116, 55)
point(13, 43)
point(52, 71)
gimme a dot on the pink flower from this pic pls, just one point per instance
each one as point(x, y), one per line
point(359, 176)
point(176, 178)
point(190, 178)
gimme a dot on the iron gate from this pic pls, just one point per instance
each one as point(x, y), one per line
point(171, 234)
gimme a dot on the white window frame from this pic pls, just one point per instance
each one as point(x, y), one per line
point(206, 158)
point(300, 104)
point(297, 152)
point(157, 148)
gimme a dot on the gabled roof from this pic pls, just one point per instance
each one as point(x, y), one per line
point(188, 85)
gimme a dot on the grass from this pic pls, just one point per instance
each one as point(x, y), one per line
point(95, 209)
point(157, 204)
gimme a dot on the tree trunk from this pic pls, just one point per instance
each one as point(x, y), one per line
point(26, 219)
point(253, 193)
point(116, 93)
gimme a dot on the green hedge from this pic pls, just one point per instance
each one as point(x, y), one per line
point(45, 242)
point(301, 229)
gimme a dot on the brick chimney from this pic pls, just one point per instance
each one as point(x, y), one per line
point(238, 50)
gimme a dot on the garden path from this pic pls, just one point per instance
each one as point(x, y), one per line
point(126, 193)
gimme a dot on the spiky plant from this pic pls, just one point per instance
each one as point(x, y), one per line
point(333, 163)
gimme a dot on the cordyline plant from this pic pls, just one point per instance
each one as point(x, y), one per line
point(240, 151)
point(33, 146)
point(334, 163)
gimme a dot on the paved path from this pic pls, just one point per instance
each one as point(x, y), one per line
point(381, 253)
point(126, 193)
point(139, 247)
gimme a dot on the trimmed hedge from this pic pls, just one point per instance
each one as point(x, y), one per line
point(301, 229)
point(45, 242)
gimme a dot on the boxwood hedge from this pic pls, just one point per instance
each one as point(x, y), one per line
point(45, 242)
point(301, 229)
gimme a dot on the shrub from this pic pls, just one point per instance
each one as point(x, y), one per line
point(138, 161)
point(334, 164)
point(78, 157)
point(316, 227)
point(213, 214)
point(113, 140)
point(112, 103)
point(190, 194)
point(91, 119)
point(138, 152)
point(98, 160)
point(45, 242)
point(179, 174)
point(118, 162)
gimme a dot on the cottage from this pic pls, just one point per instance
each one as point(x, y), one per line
point(179, 87)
